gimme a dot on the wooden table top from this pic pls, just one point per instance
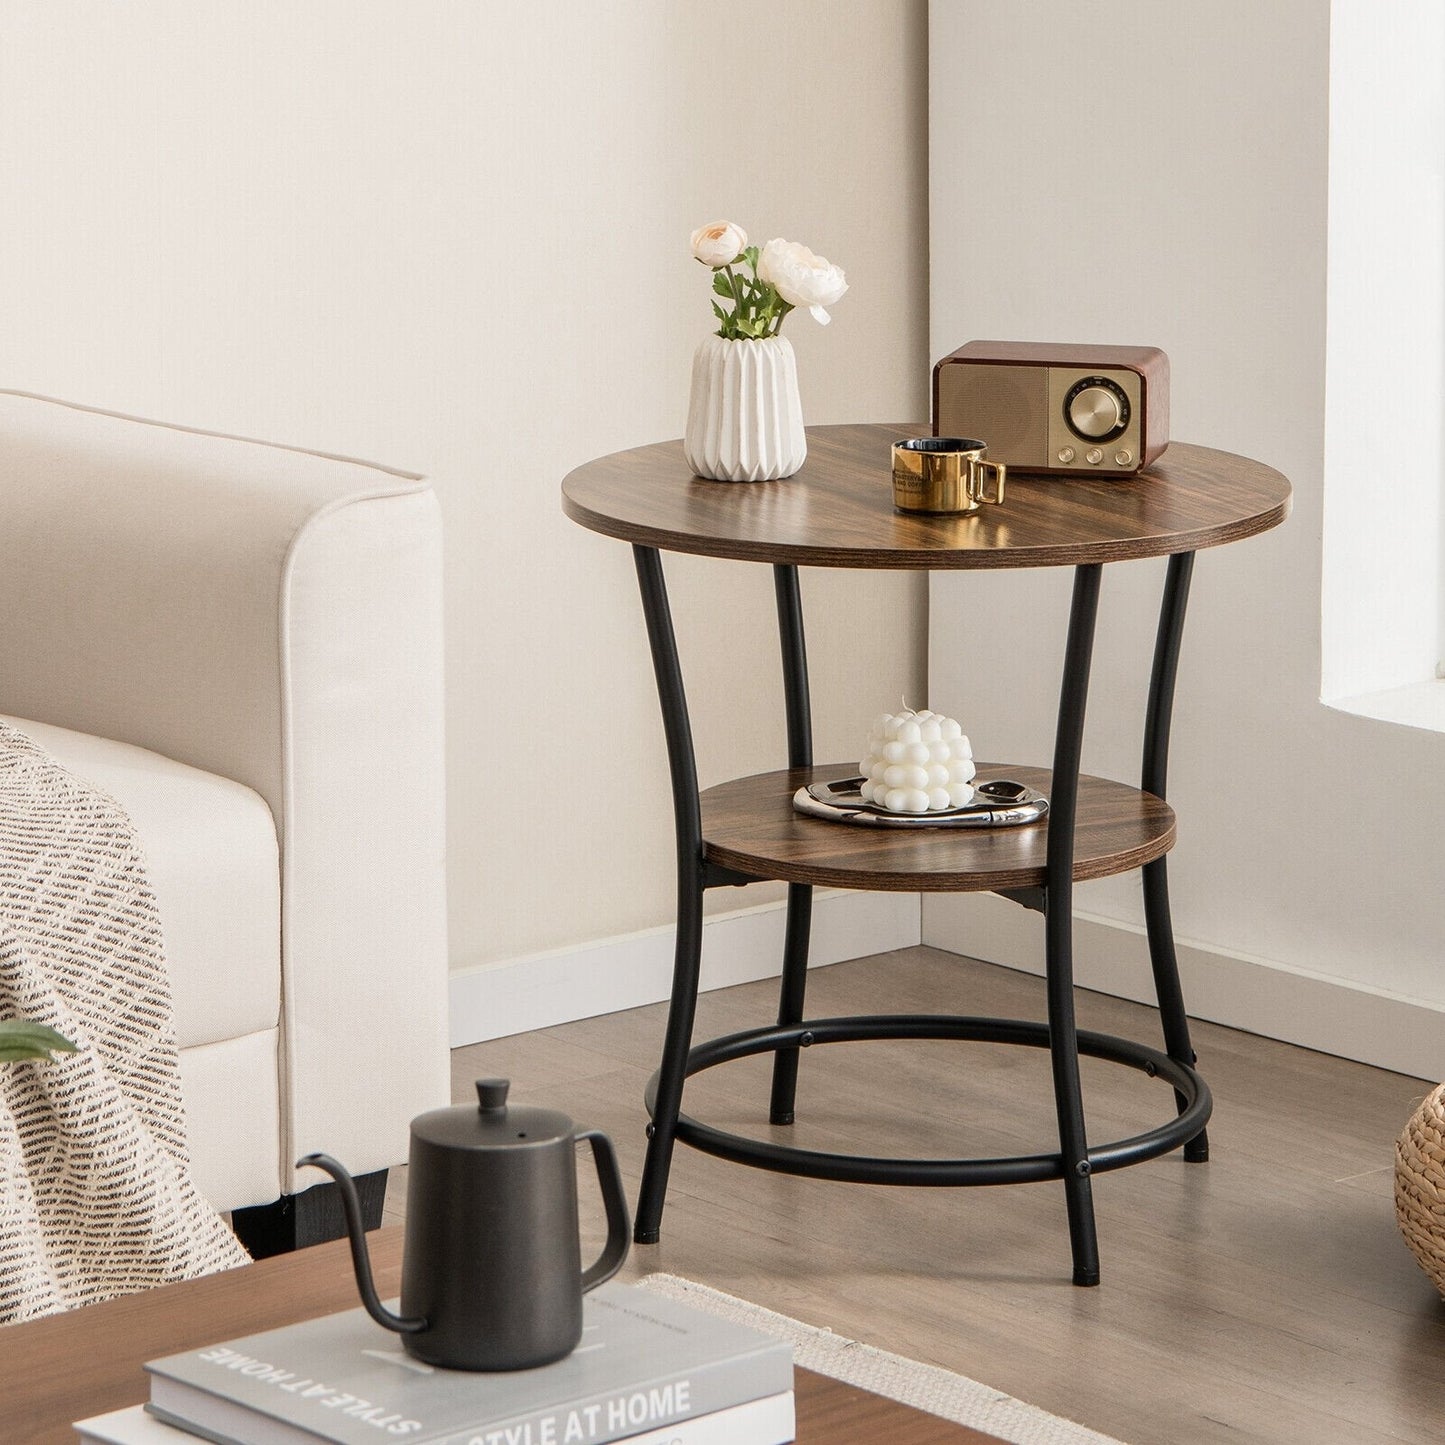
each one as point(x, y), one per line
point(750, 824)
point(838, 510)
point(64, 1368)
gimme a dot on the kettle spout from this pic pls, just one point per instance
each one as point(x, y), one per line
point(360, 1259)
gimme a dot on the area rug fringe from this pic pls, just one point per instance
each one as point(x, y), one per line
point(925, 1387)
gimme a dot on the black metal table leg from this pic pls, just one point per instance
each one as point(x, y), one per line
point(1158, 923)
point(1059, 925)
point(800, 895)
point(687, 819)
point(1075, 1162)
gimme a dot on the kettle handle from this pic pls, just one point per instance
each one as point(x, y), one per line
point(619, 1230)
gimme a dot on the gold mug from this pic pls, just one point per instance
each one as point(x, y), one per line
point(944, 474)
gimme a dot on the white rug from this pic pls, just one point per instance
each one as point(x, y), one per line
point(925, 1387)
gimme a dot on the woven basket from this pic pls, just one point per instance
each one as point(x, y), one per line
point(1420, 1186)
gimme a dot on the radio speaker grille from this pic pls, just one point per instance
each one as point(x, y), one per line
point(1005, 406)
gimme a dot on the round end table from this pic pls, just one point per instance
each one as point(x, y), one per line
point(837, 512)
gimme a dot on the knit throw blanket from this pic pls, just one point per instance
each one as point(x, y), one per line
point(96, 1195)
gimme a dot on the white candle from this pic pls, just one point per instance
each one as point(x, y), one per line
point(917, 762)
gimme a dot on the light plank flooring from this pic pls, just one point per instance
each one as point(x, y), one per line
point(1263, 1296)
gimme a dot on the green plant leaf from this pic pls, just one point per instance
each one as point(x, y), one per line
point(722, 285)
point(20, 1039)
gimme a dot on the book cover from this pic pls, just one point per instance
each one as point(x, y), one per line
point(766, 1421)
point(644, 1362)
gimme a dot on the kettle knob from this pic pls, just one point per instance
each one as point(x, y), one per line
point(492, 1095)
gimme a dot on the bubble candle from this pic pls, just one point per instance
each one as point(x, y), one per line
point(917, 762)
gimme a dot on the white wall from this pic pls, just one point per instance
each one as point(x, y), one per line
point(454, 238)
point(1385, 353)
point(1161, 179)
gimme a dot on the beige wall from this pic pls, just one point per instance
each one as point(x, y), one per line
point(1306, 880)
point(454, 238)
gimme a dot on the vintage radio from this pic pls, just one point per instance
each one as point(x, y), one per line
point(1064, 409)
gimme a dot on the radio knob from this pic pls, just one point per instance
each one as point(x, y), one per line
point(1094, 412)
point(1096, 409)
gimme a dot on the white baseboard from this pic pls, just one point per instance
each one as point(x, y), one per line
point(1253, 994)
point(520, 994)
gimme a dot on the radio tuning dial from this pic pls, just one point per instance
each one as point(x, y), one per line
point(1096, 408)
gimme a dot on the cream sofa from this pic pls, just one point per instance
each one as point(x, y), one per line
point(242, 644)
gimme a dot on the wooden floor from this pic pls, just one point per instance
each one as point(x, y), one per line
point(1263, 1296)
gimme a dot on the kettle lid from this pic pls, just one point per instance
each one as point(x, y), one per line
point(493, 1123)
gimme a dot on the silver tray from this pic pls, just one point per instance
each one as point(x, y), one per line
point(997, 803)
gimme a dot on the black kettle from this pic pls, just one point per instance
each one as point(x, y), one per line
point(491, 1275)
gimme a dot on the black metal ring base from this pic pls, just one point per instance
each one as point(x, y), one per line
point(861, 1169)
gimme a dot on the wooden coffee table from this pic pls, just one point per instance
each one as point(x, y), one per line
point(64, 1368)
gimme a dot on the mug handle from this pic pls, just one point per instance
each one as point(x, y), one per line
point(978, 471)
point(619, 1229)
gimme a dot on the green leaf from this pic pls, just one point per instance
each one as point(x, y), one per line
point(20, 1039)
point(722, 285)
point(750, 255)
point(719, 312)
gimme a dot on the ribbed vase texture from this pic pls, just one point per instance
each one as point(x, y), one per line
point(745, 419)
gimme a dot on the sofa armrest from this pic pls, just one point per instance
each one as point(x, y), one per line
point(273, 616)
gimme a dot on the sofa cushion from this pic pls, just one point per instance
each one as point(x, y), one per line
point(211, 850)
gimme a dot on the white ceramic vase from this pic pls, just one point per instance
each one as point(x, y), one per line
point(745, 419)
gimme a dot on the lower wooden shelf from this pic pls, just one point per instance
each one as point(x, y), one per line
point(749, 825)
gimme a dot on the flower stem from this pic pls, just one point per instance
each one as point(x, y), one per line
point(731, 331)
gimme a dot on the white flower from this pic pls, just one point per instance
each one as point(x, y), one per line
point(719, 244)
point(801, 278)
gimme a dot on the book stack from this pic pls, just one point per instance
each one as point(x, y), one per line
point(649, 1371)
